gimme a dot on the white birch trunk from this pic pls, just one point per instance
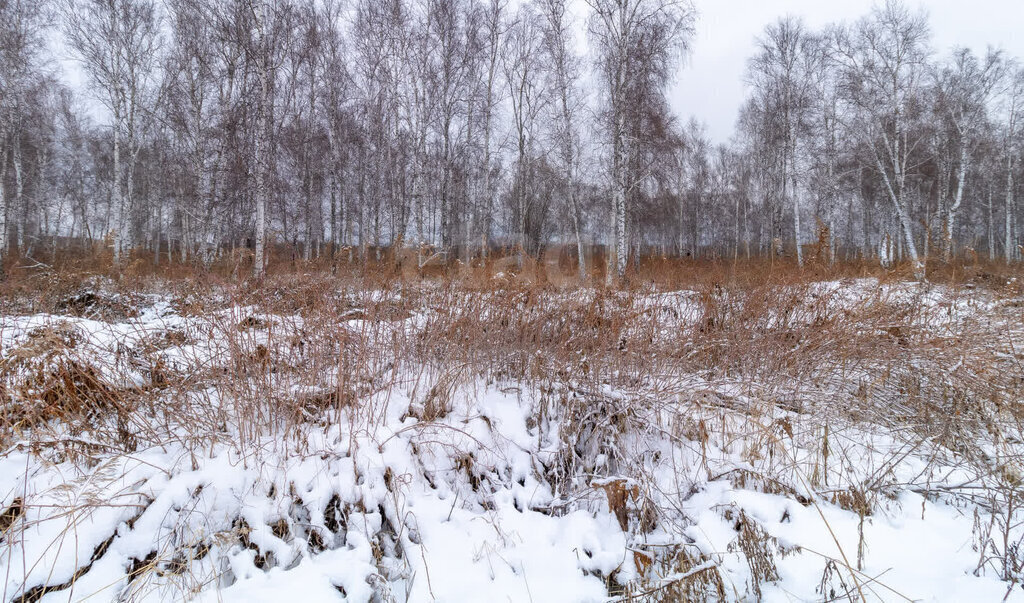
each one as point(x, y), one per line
point(619, 201)
point(19, 195)
point(116, 199)
point(895, 195)
point(947, 233)
point(619, 167)
point(3, 202)
point(1008, 247)
point(261, 151)
point(796, 212)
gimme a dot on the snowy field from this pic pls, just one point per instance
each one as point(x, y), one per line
point(849, 440)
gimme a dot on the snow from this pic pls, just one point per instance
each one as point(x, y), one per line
point(378, 503)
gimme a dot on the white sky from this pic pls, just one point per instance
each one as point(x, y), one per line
point(710, 85)
point(711, 88)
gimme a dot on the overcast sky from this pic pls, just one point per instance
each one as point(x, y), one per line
point(711, 88)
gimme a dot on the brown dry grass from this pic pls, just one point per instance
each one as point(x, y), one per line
point(767, 325)
point(754, 355)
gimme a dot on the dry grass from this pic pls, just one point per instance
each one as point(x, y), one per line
point(757, 356)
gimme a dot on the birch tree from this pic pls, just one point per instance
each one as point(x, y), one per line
point(192, 79)
point(491, 95)
point(637, 44)
point(883, 61)
point(116, 42)
point(1013, 128)
point(784, 73)
point(261, 152)
point(964, 90)
point(271, 34)
point(523, 64)
point(22, 76)
point(335, 82)
point(564, 66)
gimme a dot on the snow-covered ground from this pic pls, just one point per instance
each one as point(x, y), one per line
point(245, 454)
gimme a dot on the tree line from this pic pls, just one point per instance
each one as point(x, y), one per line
point(352, 126)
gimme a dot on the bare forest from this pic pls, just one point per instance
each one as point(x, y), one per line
point(443, 300)
point(344, 129)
